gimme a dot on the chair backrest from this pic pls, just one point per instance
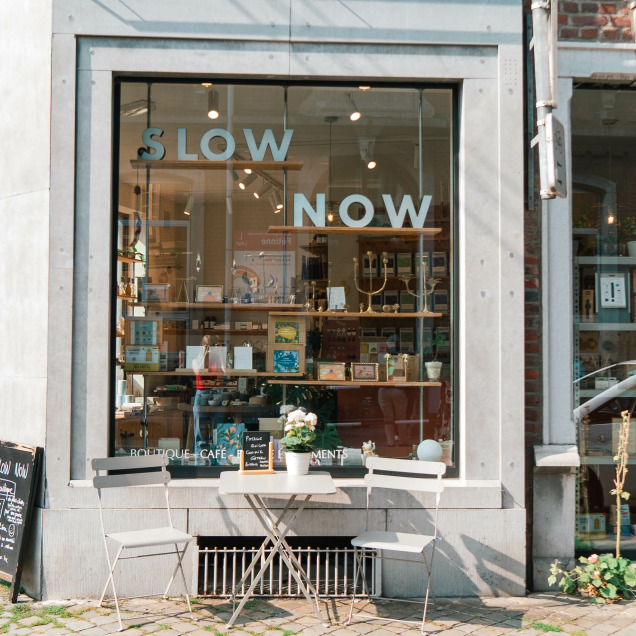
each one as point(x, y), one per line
point(398, 482)
point(131, 471)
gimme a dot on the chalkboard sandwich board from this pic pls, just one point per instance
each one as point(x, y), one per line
point(257, 454)
point(19, 476)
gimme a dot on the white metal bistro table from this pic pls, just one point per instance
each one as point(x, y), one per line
point(254, 488)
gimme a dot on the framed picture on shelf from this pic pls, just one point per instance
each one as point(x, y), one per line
point(331, 371)
point(285, 358)
point(155, 293)
point(282, 330)
point(368, 332)
point(209, 294)
point(364, 371)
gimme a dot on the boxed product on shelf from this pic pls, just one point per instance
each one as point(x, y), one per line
point(591, 523)
point(626, 531)
point(625, 516)
point(407, 302)
point(404, 263)
point(440, 263)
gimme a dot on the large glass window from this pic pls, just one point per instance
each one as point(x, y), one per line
point(604, 231)
point(283, 245)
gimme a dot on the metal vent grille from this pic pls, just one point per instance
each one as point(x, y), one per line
point(332, 570)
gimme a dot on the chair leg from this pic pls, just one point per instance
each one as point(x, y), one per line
point(185, 585)
point(111, 580)
point(355, 585)
point(179, 567)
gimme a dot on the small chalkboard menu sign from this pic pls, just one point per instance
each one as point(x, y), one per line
point(257, 454)
point(19, 476)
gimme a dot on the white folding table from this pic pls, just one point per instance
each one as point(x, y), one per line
point(254, 488)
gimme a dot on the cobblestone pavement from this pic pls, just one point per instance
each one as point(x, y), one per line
point(534, 614)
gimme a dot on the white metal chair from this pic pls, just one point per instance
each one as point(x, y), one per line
point(374, 544)
point(139, 471)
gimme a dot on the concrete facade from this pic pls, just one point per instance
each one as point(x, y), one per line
point(478, 47)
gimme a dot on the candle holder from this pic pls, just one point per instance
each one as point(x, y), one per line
point(428, 285)
point(371, 292)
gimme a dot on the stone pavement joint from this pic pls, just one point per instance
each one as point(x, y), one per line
point(534, 614)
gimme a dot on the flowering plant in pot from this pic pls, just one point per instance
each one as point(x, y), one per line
point(299, 439)
point(606, 578)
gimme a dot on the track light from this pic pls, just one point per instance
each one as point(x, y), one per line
point(247, 170)
point(372, 164)
point(355, 115)
point(247, 181)
point(235, 176)
point(134, 109)
point(266, 187)
point(213, 104)
point(276, 200)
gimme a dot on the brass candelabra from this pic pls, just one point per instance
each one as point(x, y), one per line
point(371, 292)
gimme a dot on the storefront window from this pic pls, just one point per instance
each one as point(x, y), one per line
point(604, 228)
point(283, 245)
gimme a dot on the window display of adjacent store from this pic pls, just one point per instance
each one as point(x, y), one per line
point(604, 231)
point(283, 246)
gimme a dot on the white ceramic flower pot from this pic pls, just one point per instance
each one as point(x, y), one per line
point(433, 369)
point(297, 463)
point(631, 248)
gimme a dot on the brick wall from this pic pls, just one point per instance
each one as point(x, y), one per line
point(595, 21)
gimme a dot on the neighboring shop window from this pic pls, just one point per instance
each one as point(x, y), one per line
point(284, 246)
point(603, 231)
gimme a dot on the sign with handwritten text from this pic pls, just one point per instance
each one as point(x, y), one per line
point(19, 475)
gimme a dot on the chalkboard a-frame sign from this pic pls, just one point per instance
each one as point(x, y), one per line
point(257, 455)
point(19, 476)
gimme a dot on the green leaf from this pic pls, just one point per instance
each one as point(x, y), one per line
point(551, 580)
point(625, 495)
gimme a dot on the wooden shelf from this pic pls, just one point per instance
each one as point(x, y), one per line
point(606, 326)
point(182, 306)
point(216, 374)
point(245, 409)
point(131, 298)
point(358, 231)
point(363, 314)
point(352, 383)
point(205, 164)
point(128, 259)
point(231, 332)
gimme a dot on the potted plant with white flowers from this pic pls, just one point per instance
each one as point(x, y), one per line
point(299, 440)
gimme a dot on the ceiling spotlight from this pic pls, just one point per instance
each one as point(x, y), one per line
point(276, 200)
point(206, 84)
point(364, 88)
point(213, 104)
point(235, 176)
point(247, 170)
point(372, 164)
point(266, 187)
point(248, 181)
